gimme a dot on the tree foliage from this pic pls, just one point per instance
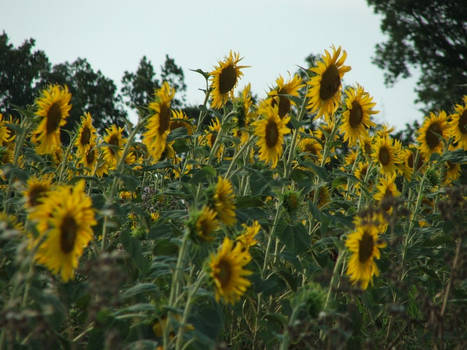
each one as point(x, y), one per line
point(430, 36)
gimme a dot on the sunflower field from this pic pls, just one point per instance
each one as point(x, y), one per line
point(290, 221)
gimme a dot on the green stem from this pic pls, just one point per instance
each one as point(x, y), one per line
point(235, 157)
point(335, 274)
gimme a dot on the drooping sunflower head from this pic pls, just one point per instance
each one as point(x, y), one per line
point(387, 154)
point(114, 148)
point(282, 88)
point(206, 224)
point(270, 131)
point(364, 246)
point(224, 78)
point(311, 147)
point(228, 273)
point(450, 172)
point(37, 190)
point(431, 134)
point(247, 238)
point(413, 161)
point(86, 134)
point(325, 87)
point(458, 125)
point(356, 119)
point(224, 201)
point(64, 218)
point(387, 191)
point(53, 106)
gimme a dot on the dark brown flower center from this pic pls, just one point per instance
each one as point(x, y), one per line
point(386, 202)
point(432, 135)
point(114, 142)
point(227, 79)
point(356, 115)
point(68, 233)
point(85, 136)
point(54, 116)
point(284, 103)
point(164, 118)
point(225, 273)
point(310, 148)
point(330, 82)
point(90, 156)
point(463, 122)
point(36, 192)
point(384, 156)
point(365, 247)
point(272, 134)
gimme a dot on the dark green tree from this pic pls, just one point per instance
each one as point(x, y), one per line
point(138, 88)
point(430, 36)
point(91, 92)
point(21, 71)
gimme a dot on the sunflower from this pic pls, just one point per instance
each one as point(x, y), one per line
point(387, 191)
point(278, 97)
point(37, 190)
point(86, 135)
point(270, 132)
point(451, 172)
point(325, 87)
point(53, 106)
point(247, 238)
point(433, 130)
point(224, 199)
point(7, 134)
point(408, 158)
point(113, 151)
point(387, 154)
point(228, 273)
point(206, 224)
point(64, 219)
point(224, 78)
point(356, 118)
point(458, 125)
point(366, 146)
point(245, 114)
point(158, 125)
point(361, 173)
point(364, 245)
point(180, 120)
point(311, 147)
point(323, 196)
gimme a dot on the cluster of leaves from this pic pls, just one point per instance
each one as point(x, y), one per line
point(145, 280)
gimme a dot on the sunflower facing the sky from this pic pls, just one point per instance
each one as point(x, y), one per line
point(113, 151)
point(356, 119)
point(270, 131)
point(228, 273)
point(158, 125)
point(364, 245)
point(430, 135)
point(387, 154)
point(64, 219)
point(86, 135)
point(53, 106)
point(325, 87)
point(224, 78)
point(458, 125)
point(224, 201)
point(282, 88)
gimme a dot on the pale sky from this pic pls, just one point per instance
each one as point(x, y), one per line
point(273, 37)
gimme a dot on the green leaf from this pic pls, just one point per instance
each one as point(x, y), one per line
point(141, 288)
point(133, 247)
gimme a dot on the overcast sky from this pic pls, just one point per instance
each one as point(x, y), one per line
point(273, 36)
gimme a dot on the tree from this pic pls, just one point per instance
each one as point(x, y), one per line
point(91, 92)
point(138, 88)
point(430, 36)
point(21, 71)
point(24, 73)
